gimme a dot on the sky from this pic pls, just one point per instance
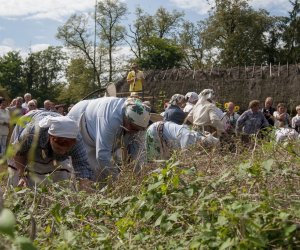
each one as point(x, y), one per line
point(32, 24)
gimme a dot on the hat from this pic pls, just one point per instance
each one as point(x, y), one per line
point(60, 126)
point(137, 112)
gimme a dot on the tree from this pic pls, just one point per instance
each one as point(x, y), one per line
point(160, 53)
point(110, 15)
point(45, 70)
point(80, 81)
point(191, 42)
point(76, 34)
point(163, 24)
point(291, 35)
point(11, 74)
point(166, 22)
point(237, 32)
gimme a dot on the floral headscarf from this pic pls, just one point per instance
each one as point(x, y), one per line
point(137, 112)
point(177, 99)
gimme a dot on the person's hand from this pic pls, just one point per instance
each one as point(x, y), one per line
point(23, 182)
point(86, 185)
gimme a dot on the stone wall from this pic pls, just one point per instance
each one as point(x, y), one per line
point(238, 84)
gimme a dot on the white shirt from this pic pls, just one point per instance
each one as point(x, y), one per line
point(206, 114)
point(296, 121)
point(4, 118)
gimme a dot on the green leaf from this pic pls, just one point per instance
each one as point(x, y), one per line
point(194, 245)
point(148, 215)
point(289, 230)
point(228, 243)
point(154, 186)
point(267, 165)
point(7, 222)
point(24, 243)
point(159, 219)
point(222, 220)
point(173, 217)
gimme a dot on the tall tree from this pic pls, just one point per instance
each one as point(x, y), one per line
point(291, 36)
point(190, 39)
point(160, 53)
point(46, 72)
point(109, 17)
point(11, 74)
point(80, 78)
point(166, 22)
point(237, 32)
point(77, 35)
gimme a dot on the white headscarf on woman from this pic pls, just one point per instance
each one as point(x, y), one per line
point(205, 95)
point(60, 126)
point(191, 97)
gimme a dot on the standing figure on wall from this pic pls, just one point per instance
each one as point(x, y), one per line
point(135, 79)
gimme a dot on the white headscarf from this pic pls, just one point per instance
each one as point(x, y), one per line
point(60, 126)
point(206, 94)
point(191, 97)
point(137, 112)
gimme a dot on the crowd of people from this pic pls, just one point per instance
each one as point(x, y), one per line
point(93, 139)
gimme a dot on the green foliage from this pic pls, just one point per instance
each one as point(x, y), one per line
point(44, 73)
point(11, 74)
point(198, 199)
point(160, 54)
point(237, 31)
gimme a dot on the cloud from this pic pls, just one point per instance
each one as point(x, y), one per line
point(200, 6)
point(39, 47)
point(278, 7)
point(40, 37)
point(8, 42)
point(43, 9)
point(5, 49)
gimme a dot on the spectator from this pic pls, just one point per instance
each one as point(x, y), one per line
point(192, 98)
point(31, 105)
point(60, 109)
point(47, 105)
point(281, 116)
point(4, 125)
point(268, 110)
point(27, 98)
point(230, 118)
point(296, 120)
point(135, 79)
point(16, 110)
point(283, 133)
point(174, 112)
point(251, 121)
point(204, 116)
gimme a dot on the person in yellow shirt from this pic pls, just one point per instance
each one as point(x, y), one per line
point(135, 79)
